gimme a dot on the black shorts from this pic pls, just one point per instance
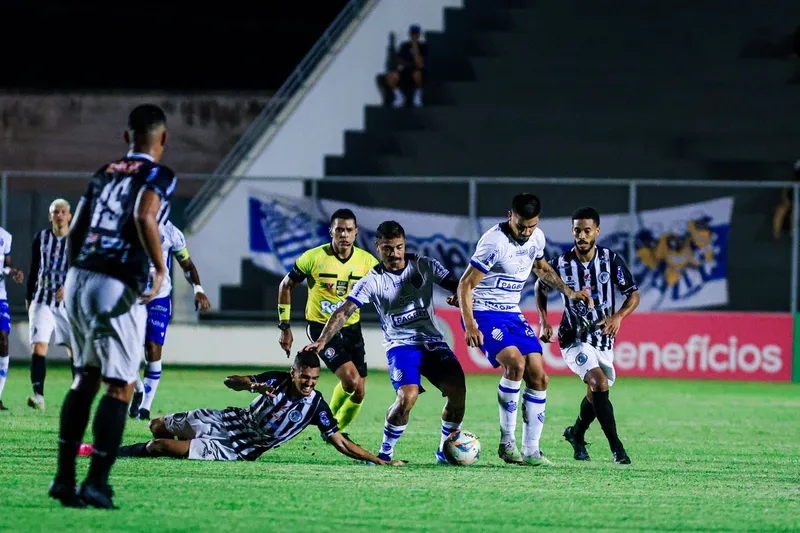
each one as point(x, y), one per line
point(346, 346)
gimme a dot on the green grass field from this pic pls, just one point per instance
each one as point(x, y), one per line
point(707, 456)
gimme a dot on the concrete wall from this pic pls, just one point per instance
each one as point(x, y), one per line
point(77, 132)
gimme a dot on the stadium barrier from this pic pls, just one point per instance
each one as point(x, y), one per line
point(714, 346)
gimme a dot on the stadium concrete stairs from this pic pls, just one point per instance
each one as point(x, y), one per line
point(636, 88)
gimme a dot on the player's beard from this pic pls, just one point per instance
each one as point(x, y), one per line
point(585, 248)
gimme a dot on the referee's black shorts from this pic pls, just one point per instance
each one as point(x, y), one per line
point(346, 346)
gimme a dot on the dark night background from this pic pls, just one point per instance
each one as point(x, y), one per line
point(163, 46)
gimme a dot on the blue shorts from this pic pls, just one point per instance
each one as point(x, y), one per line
point(158, 314)
point(436, 361)
point(5, 316)
point(502, 329)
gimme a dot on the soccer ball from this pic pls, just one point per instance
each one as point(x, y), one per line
point(462, 448)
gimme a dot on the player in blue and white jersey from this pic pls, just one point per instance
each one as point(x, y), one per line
point(401, 289)
point(5, 317)
point(159, 312)
point(489, 294)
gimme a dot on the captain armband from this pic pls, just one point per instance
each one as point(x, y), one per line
point(182, 254)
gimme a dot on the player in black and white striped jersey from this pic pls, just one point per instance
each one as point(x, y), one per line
point(286, 405)
point(587, 335)
point(44, 297)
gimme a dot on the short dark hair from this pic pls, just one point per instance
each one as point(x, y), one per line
point(344, 214)
point(145, 118)
point(389, 229)
point(306, 359)
point(526, 206)
point(583, 213)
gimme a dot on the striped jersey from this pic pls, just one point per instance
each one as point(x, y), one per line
point(269, 422)
point(404, 300)
point(172, 243)
point(5, 250)
point(48, 268)
point(600, 276)
point(506, 264)
point(111, 245)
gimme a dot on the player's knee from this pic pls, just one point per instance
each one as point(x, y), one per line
point(351, 382)
point(406, 400)
point(597, 383)
point(152, 352)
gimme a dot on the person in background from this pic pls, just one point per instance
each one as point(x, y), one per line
point(411, 66)
point(784, 206)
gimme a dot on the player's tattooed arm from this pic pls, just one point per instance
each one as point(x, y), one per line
point(545, 273)
point(335, 323)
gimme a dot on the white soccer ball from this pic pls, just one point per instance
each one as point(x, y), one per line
point(462, 448)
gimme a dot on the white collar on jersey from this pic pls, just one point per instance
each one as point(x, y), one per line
point(140, 154)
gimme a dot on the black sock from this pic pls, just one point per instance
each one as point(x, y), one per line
point(585, 418)
point(605, 415)
point(134, 450)
point(108, 425)
point(74, 419)
point(38, 371)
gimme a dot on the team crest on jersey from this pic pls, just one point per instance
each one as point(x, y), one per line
point(603, 277)
point(323, 417)
point(295, 416)
point(163, 239)
point(532, 252)
point(341, 288)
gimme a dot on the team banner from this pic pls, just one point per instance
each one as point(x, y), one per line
point(681, 252)
point(719, 346)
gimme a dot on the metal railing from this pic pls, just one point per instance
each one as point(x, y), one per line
point(635, 190)
point(274, 106)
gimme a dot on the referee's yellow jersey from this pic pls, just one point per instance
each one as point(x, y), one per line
point(330, 280)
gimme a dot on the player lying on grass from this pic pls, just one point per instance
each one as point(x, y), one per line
point(287, 403)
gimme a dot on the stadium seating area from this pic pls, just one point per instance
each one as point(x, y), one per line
point(645, 89)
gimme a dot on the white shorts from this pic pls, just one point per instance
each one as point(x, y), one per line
point(106, 324)
point(582, 357)
point(209, 439)
point(48, 319)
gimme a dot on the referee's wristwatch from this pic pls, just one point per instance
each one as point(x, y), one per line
point(283, 326)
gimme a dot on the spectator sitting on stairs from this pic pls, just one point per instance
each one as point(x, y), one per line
point(411, 67)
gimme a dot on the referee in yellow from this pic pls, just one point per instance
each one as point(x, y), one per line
point(331, 270)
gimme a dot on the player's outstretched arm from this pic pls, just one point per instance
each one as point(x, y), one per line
point(545, 272)
point(201, 302)
point(540, 289)
point(353, 450)
point(286, 338)
point(469, 280)
point(333, 325)
point(148, 205)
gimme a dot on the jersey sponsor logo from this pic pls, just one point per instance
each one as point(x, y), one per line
point(408, 317)
point(124, 167)
point(603, 277)
point(620, 276)
point(509, 285)
point(499, 307)
point(341, 288)
point(328, 308)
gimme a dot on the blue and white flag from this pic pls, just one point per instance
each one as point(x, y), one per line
point(681, 252)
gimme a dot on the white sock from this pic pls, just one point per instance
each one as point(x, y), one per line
point(447, 429)
point(4, 360)
point(152, 375)
point(391, 434)
point(139, 384)
point(507, 398)
point(532, 420)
